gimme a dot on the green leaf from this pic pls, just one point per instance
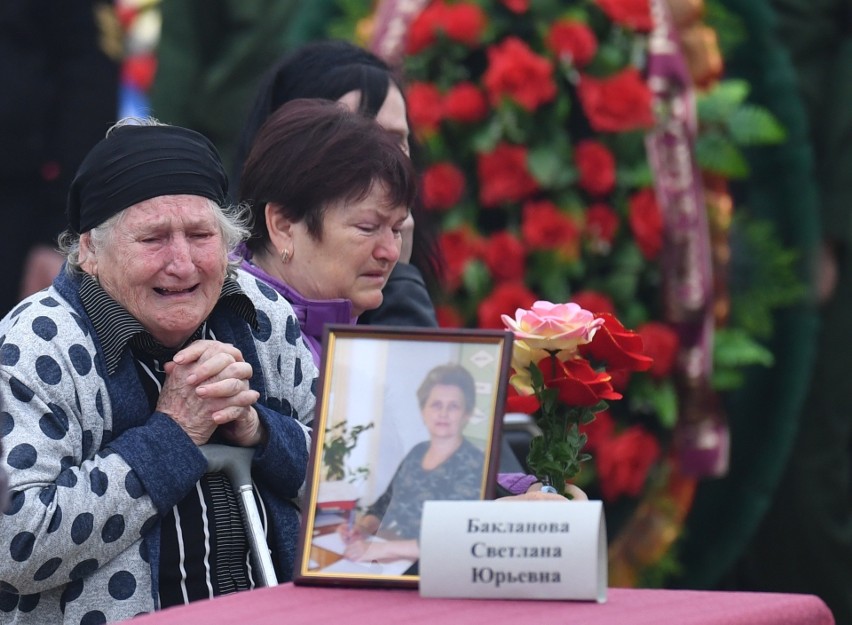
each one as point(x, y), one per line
point(561, 110)
point(718, 155)
point(477, 279)
point(608, 59)
point(640, 175)
point(549, 167)
point(734, 347)
point(349, 13)
point(487, 137)
point(665, 403)
point(510, 117)
point(598, 407)
point(549, 401)
point(628, 147)
point(733, 350)
point(764, 275)
point(754, 125)
point(535, 375)
point(720, 102)
point(729, 26)
point(546, 9)
point(622, 281)
point(647, 395)
point(724, 379)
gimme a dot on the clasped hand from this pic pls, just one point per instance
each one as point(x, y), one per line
point(207, 387)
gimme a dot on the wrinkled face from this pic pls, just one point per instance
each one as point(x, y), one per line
point(165, 262)
point(444, 412)
point(360, 246)
point(391, 115)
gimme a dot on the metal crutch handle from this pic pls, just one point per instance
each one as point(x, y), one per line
point(235, 462)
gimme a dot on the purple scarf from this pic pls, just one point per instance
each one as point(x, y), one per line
point(313, 315)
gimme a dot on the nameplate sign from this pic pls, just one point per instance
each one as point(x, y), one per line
point(513, 550)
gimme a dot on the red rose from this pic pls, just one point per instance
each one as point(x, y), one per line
point(526, 404)
point(599, 430)
point(616, 104)
point(514, 70)
point(544, 226)
point(597, 167)
point(662, 344)
point(464, 23)
point(635, 14)
point(572, 41)
point(503, 175)
point(601, 226)
point(617, 346)
point(443, 185)
point(594, 302)
point(448, 317)
point(646, 222)
point(424, 106)
point(423, 30)
point(517, 6)
point(457, 247)
point(505, 297)
point(504, 256)
point(577, 382)
point(623, 462)
point(465, 103)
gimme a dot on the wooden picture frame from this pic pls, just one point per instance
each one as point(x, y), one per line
point(403, 415)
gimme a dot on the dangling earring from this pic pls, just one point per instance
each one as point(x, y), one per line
point(285, 256)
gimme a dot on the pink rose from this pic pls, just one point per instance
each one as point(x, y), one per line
point(551, 326)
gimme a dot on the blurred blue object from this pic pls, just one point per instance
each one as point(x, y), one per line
point(132, 102)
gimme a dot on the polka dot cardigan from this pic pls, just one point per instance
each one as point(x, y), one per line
point(91, 470)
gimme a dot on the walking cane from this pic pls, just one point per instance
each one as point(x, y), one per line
point(235, 462)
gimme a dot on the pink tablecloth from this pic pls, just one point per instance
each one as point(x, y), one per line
point(296, 605)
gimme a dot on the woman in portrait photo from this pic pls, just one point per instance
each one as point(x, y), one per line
point(446, 467)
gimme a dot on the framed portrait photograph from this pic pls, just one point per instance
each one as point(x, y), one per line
point(404, 416)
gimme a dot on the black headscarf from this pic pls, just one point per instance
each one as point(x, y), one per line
point(136, 163)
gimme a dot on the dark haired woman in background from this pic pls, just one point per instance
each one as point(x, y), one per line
point(343, 72)
point(330, 190)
